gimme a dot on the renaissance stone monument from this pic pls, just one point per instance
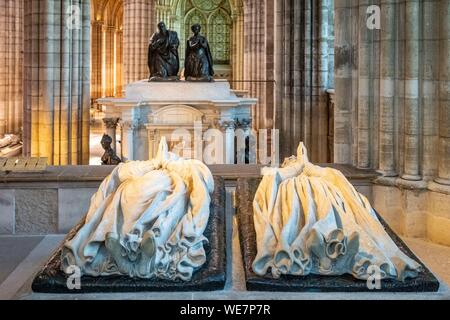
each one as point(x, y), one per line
point(154, 109)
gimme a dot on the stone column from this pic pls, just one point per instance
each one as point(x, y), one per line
point(259, 59)
point(111, 130)
point(430, 69)
point(119, 63)
point(365, 92)
point(302, 75)
point(11, 61)
point(108, 69)
point(152, 147)
point(128, 140)
point(237, 57)
point(57, 88)
point(139, 24)
point(387, 164)
point(96, 59)
point(411, 132)
point(229, 127)
point(444, 111)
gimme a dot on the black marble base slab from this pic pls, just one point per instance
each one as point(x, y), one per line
point(246, 188)
point(210, 277)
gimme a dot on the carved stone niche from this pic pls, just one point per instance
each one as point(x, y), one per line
point(177, 124)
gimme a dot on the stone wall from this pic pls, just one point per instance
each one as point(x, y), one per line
point(57, 80)
point(303, 73)
point(11, 61)
point(139, 24)
point(392, 107)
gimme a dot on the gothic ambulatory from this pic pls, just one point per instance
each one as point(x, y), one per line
point(199, 61)
point(163, 59)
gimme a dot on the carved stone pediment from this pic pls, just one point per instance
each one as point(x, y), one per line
point(177, 114)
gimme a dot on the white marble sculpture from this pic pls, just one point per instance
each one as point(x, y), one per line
point(147, 221)
point(311, 220)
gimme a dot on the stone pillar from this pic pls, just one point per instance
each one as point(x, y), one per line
point(411, 133)
point(139, 24)
point(259, 59)
point(229, 127)
point(387, 164)
point(109, 56)
point(430, 69)
point(128, 140)
point(119, 63)
point(57, 88)
point(96, 59)
point(11, 61)
point(237, 57)
point(365, 94)
point(444, 111)
point(111, 130)
point(303, 30)
point(152, 146)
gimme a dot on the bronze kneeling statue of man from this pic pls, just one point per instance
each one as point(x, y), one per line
point(163, 59)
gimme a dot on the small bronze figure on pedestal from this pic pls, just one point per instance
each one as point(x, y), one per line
point(199, 61)
point(163, 59)
point(109, 158)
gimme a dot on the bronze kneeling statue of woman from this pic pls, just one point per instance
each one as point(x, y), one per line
point(199, 62)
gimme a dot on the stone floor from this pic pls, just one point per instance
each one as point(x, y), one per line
point(21, 258)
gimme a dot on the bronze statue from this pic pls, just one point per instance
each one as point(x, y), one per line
point(199, 61)
point(109, 158)
point(163, 59)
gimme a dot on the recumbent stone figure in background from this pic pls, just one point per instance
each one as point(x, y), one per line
point(163, 59)
point(199, 61)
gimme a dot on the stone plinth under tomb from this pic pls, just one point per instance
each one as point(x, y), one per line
point(151, 110)
point(246, 188)
point(210, 277)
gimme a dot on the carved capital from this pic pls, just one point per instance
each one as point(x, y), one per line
point(244, 124)
point(131, 125)
point(111, 123)
point(228, 125)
